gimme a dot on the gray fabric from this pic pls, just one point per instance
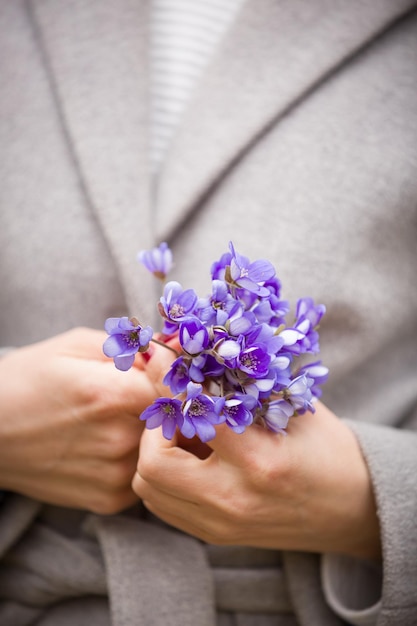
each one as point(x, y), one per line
point(395, 494)
point(253, 589)
point(263, 79)
point(46, 567)
point(352, 587)
point(173, 574)
point(22, 511)
point(82, 612)
point(305, 589)
point(13, 614)
point(300, 145)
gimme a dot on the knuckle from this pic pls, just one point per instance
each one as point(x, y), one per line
point(220, 533)
point(238, 510)
point(113, 495)
point(264, 472)
point(100, 395)
point(120, 475)
point(231, 509)
point(146, 467)
point(120, 443)
point(109, 504)
point(93, 394)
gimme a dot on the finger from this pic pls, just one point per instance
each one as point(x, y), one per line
point(159, 364)
point(134, 391)
point(86, 343)
point(239, 449)
point(203, 526)
point(186, 523)
point(108, 390)
point(168, 468)
point(155, 498)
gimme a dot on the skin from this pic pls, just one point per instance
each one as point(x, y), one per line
point(69, 428)
point(309, 490)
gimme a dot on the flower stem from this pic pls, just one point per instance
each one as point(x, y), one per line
point(164, 345)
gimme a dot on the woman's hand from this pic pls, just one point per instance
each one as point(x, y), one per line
point(309, 490)
point(69, 427)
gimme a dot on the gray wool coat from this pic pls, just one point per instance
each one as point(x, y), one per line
point(300, 144)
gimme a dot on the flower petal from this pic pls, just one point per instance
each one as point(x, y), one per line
point(204, 430)
point(124, 363)
point(114, 345)
point(168, 428)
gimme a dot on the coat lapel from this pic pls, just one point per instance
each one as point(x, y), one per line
point(275, 54)
point(95, 53)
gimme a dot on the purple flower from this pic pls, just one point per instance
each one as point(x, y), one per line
point(237, 411)
point(298, 393)
point(227, 351)
point(239, 322)
point(197, 365)
point(280, 366)
point(264, 312)
point(158, 260)
point(271, 311)
point(211, 366)
point(176, 305)
point(165, 412)
point(264, 335)
point(274, 286)
point(317, 374)
point(278, 414)
point(177, 378)
point(307, 310)
point(250, 276)
point(193, 336)
point(292, 339)
point(308, 316)
point(235, 342)
point(218, 268)
point(214, 309)
point(200, 414)
point(127, 337)
point(255, 361)
point(261, 387)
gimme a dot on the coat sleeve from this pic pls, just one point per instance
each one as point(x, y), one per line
point(368, 594)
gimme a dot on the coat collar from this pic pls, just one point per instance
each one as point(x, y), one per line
point(92, 52)
point(96, 53)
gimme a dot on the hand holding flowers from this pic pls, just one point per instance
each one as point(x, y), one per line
point(309, 491)
point(240, 365)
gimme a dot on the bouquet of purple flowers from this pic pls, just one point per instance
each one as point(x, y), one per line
point(240, 360)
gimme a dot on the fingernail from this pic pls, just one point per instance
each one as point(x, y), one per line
point(147, 355)
point(167, 338)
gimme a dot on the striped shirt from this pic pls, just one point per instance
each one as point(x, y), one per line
point(184, 36)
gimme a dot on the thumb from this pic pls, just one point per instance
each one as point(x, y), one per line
point(160, 359)
point(162, 463)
